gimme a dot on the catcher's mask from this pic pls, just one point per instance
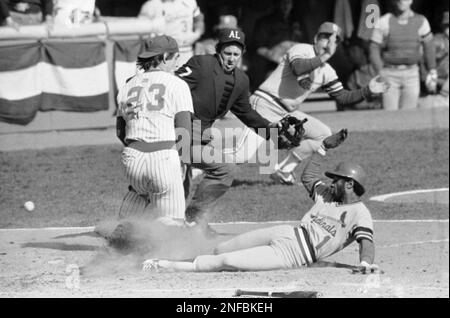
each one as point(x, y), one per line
point(352, 171)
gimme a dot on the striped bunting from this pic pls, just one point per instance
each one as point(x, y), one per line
point(52, 75)
point(125, 56)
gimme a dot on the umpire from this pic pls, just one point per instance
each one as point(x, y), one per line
point(217, 86)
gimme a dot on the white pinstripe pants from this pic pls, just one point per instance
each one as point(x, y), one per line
point(156, 178)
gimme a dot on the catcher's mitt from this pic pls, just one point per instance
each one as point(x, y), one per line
point(290, 132)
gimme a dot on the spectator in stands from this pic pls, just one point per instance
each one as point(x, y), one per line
point(442, 51)
point(25, 12)
point(361, 76)
point(208, 46)
point(439, 89)
point(270, 31)
point(182, 20)
point(395, 54)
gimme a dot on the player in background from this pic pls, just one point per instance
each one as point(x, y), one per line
point(154, 118)
point(337, 219)
point(302, 71)
point(182, 20)
point(399, 42)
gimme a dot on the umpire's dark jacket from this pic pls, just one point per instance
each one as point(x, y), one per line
point(205, 77)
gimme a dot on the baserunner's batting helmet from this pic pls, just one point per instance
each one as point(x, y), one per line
point(351, 171)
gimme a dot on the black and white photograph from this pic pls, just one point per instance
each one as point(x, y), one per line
point(235, 151)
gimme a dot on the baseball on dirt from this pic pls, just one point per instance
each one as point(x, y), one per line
point(29, 206)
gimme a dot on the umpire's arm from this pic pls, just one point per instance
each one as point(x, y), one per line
point(250, 117)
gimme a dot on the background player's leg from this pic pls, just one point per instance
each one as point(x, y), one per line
point(410, 92)
point(391, 98)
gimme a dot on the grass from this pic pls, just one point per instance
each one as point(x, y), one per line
point(80, 186)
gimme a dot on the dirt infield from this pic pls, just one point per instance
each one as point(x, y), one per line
point(46, 263)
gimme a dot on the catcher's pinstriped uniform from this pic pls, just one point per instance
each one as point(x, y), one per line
point(178, 17)
point(148, 103)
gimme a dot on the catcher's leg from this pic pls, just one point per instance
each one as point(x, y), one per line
point(133, 204)
point(165, 186)
point(136, 199)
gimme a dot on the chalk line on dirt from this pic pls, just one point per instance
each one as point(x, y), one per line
point(384, 197)
point(414, 243)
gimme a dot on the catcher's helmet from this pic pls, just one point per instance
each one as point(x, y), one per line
point(351, 171)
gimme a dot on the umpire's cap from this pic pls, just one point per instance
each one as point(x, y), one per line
point(349, 170)
point(159, 45)
point(330, 28)
point(228, 35)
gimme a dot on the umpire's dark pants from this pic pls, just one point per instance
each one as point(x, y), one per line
point(216, 182)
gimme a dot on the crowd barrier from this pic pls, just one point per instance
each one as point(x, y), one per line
point(70, 69)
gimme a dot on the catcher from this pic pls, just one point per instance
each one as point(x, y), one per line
point(337, 218)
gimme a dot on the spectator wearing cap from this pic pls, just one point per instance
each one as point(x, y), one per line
point(395, 52)
point(153, 107)
point(25, 12)
point(217, 87)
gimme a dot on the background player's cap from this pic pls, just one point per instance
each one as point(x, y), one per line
point(228, 35)
point(330, 28)
point(351, 171)
point(159, 45)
